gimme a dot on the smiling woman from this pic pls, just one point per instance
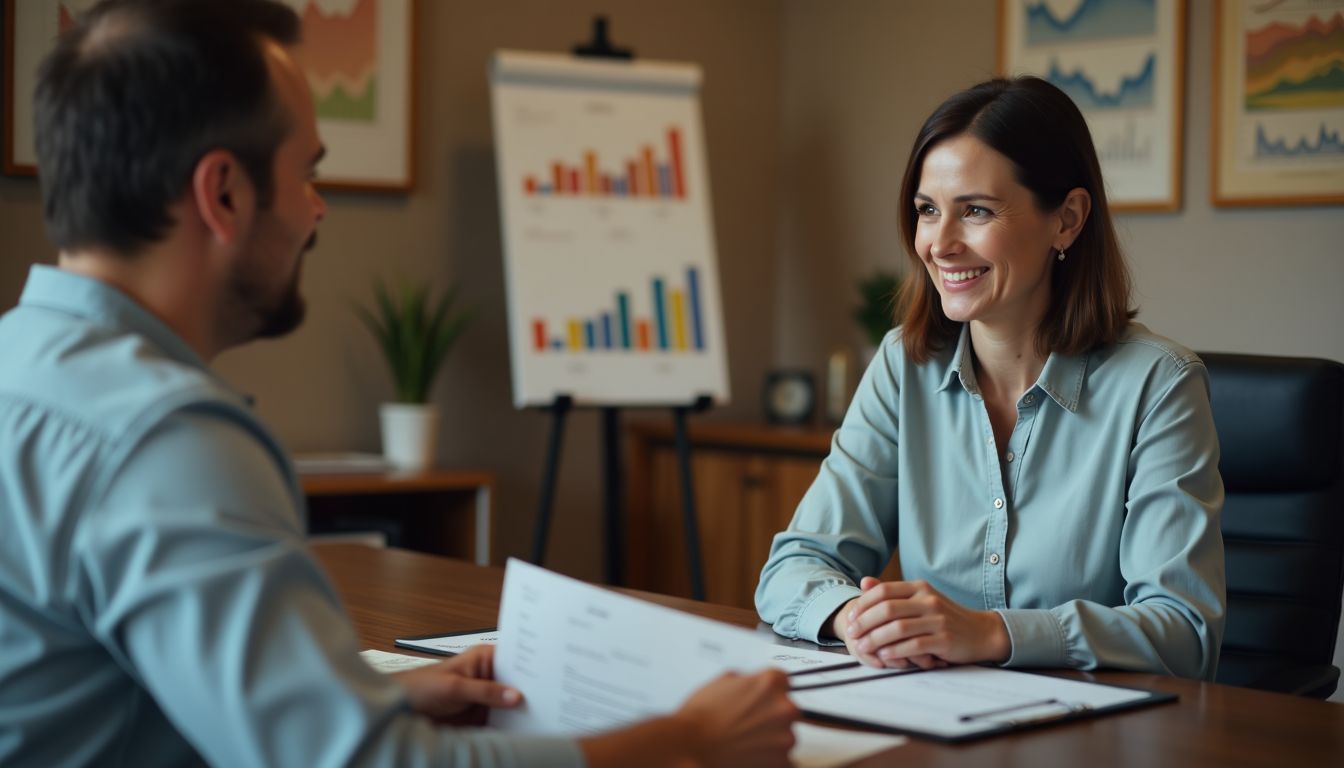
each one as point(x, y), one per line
point(1046, 468)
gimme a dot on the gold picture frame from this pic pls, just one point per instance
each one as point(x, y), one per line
point(1123, 63)
point(1278, 103)
point(359, 56)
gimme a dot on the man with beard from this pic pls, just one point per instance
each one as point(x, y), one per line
point(158, 605)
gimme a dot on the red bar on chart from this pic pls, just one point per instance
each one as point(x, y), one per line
point(606, 184)
point(592, 186)
point(643, 326)
point(632, 179)
point(558, 178)
point(574, 187)
point(530, 185)
point(674, 147)
point(539, 334)
point(648, 181)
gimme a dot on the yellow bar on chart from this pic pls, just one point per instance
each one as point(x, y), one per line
point(575, 334)
point(679, 319)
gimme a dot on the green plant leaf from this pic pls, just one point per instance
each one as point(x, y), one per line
point(415, 334)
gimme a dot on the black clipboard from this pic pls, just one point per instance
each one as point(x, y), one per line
point(410, 643)
point(996, 719)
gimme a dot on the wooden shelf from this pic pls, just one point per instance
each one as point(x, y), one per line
point(446, 512)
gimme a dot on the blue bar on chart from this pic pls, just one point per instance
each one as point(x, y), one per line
point(623, 309)
point(693, 290)
point(660, 311)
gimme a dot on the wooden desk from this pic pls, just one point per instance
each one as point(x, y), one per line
point(443, 512)
point(391, 593)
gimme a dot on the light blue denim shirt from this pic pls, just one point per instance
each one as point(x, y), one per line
point(1096, 538)
point(157, 603)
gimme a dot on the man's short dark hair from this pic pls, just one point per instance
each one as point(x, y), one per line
point(135, 94)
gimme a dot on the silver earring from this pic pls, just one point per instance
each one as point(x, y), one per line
point(1061, 254)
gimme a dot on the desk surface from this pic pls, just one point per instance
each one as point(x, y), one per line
point(393, 593)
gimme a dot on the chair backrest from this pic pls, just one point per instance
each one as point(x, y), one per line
point(1281, 430)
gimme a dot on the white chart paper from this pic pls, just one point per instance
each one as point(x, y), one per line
point(819, 747)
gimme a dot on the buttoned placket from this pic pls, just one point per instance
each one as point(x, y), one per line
point(1002, 484)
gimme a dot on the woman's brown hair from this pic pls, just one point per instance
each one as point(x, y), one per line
point(1041, 132)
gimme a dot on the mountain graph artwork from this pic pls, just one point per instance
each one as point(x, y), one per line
point(340, 55)
point(1134, 90)
point(1296, 66)
point(1091, 20)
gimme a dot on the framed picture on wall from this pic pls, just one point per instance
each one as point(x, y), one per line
point(1278, 125)
point(358, 56)
point(1123, 63)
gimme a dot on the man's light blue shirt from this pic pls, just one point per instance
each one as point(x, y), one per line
point(1096, 537)
point(158, 605)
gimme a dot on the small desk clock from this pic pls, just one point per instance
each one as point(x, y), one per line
point(790, 397)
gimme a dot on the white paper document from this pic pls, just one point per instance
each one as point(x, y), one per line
point(394, 662)
point(818, 747)
point(589, 660)
point(449, 645)
point(962, 701)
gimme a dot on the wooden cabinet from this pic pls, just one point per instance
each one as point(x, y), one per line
point(748, 481)
point(439, 511)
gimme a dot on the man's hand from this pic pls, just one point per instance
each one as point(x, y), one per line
point(460, 690)
point(743, 720)
point(735, 721)
point(900, 623)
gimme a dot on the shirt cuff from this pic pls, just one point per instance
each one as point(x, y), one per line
point(1036, 636)
point(814, 615)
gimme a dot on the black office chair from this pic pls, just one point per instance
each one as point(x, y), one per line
point(1281, 429)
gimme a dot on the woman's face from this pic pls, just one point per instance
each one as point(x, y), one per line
point(986, 245)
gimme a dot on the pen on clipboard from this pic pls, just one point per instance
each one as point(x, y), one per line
point(1021, 713)
point(824, 668)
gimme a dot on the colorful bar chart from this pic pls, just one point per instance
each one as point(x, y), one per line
point(644, 175)
point(675, 323)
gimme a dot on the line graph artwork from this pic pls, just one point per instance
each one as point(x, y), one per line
point(1326, 142)
point(1134, 90)
point(1279, 96)
point(1091, 20)
point(1121, 62)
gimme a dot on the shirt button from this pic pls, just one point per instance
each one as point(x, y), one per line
point(989, 441)
point(1029, 399)
point(994, 558)
point(998, 503)
point(1009, 457)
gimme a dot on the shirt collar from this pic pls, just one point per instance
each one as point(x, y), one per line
point(1061, 378)
point(96, 301)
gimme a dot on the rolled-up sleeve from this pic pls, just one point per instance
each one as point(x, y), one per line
point(198, 580)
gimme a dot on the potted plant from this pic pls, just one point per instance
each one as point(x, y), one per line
point(415, 334)
point(876, 310)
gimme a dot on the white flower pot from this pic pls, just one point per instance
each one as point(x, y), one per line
point(410, 434)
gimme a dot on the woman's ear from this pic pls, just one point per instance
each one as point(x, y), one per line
point(222, 196)
point(1073, 213)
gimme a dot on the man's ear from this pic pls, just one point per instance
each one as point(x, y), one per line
point(1073, 215)
point(223, 196)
